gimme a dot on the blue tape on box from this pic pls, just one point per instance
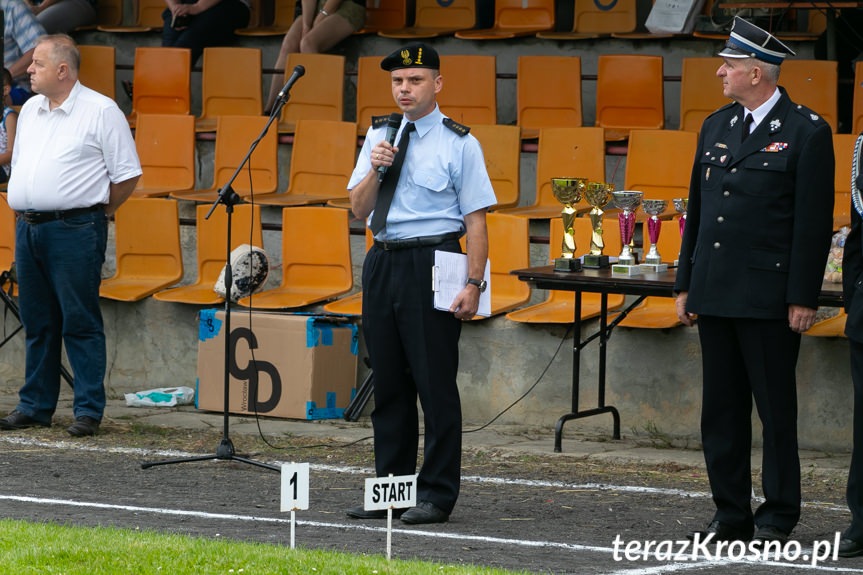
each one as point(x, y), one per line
point(208, 326)
point(328, 412)
point(320, 332)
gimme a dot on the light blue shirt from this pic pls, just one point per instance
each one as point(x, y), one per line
point(442, 179)
point(21, 30)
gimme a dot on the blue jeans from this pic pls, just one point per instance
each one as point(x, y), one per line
point(59, 267)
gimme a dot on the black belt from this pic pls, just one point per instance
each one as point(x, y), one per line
point(33, 217)
point(421, 242)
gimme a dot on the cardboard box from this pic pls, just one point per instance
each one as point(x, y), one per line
point(305, 366)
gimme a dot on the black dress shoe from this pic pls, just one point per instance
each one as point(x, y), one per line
point(361, 513)
point(850, 548)
point(423, 513)
point(766, 533)
point(17, 420)
point(721, 532)
point(83, 426)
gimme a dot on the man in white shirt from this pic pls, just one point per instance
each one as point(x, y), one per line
point(74, 162)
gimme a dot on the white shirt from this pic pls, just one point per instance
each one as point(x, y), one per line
point(759, 113)
point(67, 157)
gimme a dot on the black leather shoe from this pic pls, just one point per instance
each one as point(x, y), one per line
point(850, 548)
point(361, 513)
point(721, 532)
point(17, 420)
point(766, 533)
point(83, 426)
point(423, 513)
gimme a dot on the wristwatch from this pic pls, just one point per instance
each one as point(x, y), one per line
point(480, 284)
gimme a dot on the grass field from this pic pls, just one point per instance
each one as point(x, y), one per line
point(46, 548)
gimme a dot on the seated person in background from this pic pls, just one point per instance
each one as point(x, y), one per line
point(21, 29)
point(196, 25)
point(318, 26)
point(7, 128)
point(63, 16)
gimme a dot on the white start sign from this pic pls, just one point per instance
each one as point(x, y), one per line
point(391, 492)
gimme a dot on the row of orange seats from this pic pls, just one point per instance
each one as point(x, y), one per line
point(629, 88)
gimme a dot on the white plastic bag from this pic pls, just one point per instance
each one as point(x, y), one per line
point(161, 397)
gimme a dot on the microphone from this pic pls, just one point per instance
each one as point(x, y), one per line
point(393, 123)
point(298, 73)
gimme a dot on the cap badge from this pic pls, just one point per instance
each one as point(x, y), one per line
point(406, 57)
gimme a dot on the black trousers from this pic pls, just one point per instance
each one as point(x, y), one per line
point(413, 350)
point(742, 359)
point(854, 493)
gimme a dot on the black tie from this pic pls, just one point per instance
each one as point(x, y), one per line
point(747, 121)
point(388, 187)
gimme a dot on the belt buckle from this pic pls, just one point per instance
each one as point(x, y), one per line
point(28, 217)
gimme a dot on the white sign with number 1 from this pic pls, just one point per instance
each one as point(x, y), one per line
point(295, 490)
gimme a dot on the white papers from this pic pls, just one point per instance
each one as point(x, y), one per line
point(449, 276)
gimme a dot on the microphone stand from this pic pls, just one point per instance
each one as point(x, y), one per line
point(228, 197)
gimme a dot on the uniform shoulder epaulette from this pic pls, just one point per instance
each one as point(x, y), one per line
point(809, 113)
point(722, 109)
point(459, 129)
point(379, 121)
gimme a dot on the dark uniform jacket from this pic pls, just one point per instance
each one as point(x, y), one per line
point(852, 272)
point(759, 220)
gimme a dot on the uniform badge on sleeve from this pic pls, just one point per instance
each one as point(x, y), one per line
point(775, 147)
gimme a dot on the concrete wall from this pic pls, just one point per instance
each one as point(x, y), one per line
point(654, 377)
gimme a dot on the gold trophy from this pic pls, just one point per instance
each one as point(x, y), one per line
point(652, 260)
point(597, 194)
point(568, 192)
point(627, 202)
point(681, 205)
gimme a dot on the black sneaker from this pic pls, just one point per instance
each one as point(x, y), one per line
point(17, 420)
point(83, 426)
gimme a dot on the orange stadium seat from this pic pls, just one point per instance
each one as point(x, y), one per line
point(230, 85)
point(166, 149)
point(162, 81)
point(559, 306)
point(470, 96)
point(316, 259)
point(374, 94)
point(322, 160)
point(233, 136)
point(857, 122)
point(563, 153)
point(211, 240)
point(97, 69)
point(515, 18)
point(148, 253)
point(352, 304)
point(283, 17)
point(660, 180)
point(843, 149)
point(831, 327)
point(385, 15)
point(700, 91)
point(658, 312)
point(147, 18)
point(548, 93)
point(814, 84)
point(109, 13)
point(319, 94)
point(7, 237)
point(501, 148)
point(508, 249)
point(435, 18)
point(590, 19)
point(629, 94)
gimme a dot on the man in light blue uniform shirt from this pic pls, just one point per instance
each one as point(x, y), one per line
point(435, 190)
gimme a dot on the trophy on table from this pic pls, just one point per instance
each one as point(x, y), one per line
point(681, 204)
point(652, 260)
point(627, 202)
point(568, 191)
point(597, 194)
